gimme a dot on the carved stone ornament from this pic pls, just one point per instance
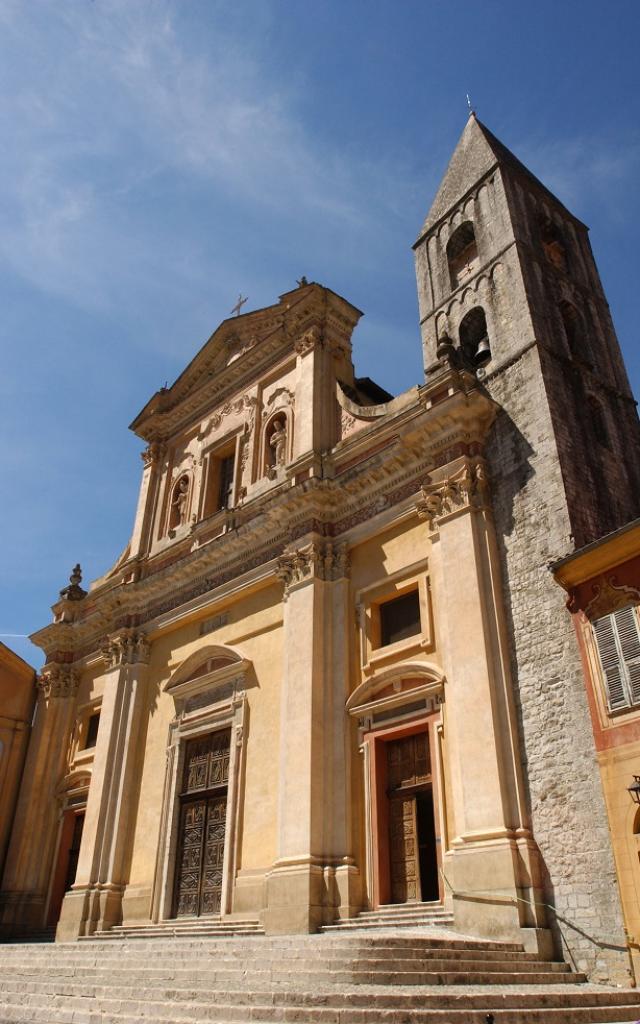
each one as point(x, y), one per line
point(609, 596)
point(74, 592)
point(308, 341)
point(130, 647)
point(246, 404)
point(153, 453)
point(58, 681)
point(324, 561)
point(467, 488)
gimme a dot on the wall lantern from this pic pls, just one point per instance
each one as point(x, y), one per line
point(634, 789)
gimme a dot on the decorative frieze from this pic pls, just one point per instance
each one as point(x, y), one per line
point(324, 561)
point(130, 647)
point(57, 680)
point(466, 488)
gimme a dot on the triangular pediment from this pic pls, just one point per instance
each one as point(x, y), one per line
point(241, 344)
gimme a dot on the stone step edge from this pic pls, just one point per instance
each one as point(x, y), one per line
point(546, 1014)
point(570, 996)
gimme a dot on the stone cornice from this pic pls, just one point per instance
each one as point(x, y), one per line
point(445, 421)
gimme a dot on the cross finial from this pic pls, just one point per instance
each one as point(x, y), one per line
point(239, 304)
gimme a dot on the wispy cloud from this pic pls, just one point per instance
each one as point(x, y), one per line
point(585, 171)
point(129, 107)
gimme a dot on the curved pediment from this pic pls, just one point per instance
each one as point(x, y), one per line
point(410, 678)
point(207, 669)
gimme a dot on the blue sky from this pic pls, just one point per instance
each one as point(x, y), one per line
point(159, 156)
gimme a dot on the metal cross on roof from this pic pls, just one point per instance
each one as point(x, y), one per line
point(239, 304)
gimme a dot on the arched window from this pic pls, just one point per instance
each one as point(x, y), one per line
point(474, 337)
point(553, 244)
point(462, 253)
point(572, 327)
point(179, 502)
point(598, 421)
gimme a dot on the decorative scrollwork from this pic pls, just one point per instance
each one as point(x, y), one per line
point(58, 681)
point(324, 561)
point(467, 488)
point(130, 647)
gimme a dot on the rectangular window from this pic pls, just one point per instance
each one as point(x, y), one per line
point(618, 642)
point(400, 618)
point(225, 490)
point(219, 481)
point(91, 735)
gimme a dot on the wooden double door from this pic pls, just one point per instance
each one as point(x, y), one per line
point(413, 853)
point(202, 828)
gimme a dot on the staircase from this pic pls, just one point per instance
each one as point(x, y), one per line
point(201, 928)
point(434, 977)
point(396, 915)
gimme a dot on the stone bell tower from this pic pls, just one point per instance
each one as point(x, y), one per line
point(508, 287)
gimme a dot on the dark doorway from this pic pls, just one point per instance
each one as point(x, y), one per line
point(427, 846)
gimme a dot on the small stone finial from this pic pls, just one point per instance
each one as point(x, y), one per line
point(74, 592)
point(472, 112)
point(302, 282)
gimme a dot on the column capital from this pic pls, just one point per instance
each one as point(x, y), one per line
point(153, 453)
point(56, 680)
point(129, 647)
point(321, 560)
point(466, 488)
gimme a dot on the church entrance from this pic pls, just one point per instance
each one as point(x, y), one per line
point(202, 828)
point(413, 860)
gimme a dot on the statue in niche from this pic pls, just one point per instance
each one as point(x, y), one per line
point(179, 502)
point(278, 441)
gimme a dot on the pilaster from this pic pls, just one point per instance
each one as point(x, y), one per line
point(493, 865)
point(313, 878)
point(95, 900)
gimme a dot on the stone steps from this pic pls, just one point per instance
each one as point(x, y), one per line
point(197, 928)
point(437, 978)
point(396, 915)
point(68, 1009)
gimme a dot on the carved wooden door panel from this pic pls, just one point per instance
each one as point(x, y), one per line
point(211, 889)
point(203, 812)
point(404, 850)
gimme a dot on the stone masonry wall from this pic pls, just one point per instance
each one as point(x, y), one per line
point(567, 807)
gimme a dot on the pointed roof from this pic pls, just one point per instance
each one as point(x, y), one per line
point(477, 153)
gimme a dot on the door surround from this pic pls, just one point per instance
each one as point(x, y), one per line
point(400, 702)
point(211, 702)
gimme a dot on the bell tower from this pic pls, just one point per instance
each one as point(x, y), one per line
point(508, 288)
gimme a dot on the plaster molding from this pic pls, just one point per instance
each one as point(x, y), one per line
point(609, 596)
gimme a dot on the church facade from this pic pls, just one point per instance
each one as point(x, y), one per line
point(332, 670)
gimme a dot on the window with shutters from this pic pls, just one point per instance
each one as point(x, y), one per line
point(618, 642)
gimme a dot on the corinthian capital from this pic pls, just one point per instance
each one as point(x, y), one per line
point(319, 560)
point(58, 681)
point(129, 647)
point(152, 453)
point(466, 488)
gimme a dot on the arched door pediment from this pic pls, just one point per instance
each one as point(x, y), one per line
point(396, 684)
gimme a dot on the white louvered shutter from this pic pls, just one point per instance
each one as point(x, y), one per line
point(627, 627)
point(610, 660)
point(618, 640)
